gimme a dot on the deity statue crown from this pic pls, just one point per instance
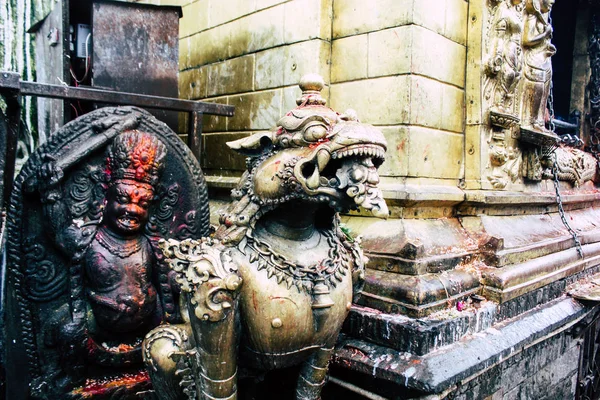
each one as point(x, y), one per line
point(137, 156)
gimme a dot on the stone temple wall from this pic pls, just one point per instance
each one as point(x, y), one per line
point(251, 55)
point(401, 65)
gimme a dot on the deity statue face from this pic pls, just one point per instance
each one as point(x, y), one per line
point(127, 204)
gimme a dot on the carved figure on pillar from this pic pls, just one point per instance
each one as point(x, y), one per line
point(273, 287)
point(538, 51)
point(91, 281)
point(504, 63)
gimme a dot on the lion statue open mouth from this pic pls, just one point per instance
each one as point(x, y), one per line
point(273, 286)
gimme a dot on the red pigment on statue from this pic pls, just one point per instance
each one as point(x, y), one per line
point(317, 144)
point(95, 387)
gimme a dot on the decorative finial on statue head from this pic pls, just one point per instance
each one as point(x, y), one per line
point(311, 85)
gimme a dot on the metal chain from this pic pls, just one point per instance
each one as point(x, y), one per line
point(550, 100)
point(550, 105)
point(561, 210)
point(559, 201)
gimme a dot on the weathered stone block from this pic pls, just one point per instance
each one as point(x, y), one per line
point(220, 12)
point(430, 14)
point(235, 75)
point(396, 156)
point(258, 31)
point(209, 46)
point(261, 4)
point(268, 72)
point(349, 58)
point(283, 66)
point(194, 19)
point(434, 154)
point(192, 83)
point(215, 123)
point(415, 336)
point(562, 367)
point(351, 17)
point(306, 57)
point(390, 51)
point(453, 109)
point(456, 21)
point(185, 53)
point(175, 2)
point(290, 94)
point(307, 19)
point(425, 102)
point(435, 56)
point(253, 111)
point(381, 101)
point(216, 154)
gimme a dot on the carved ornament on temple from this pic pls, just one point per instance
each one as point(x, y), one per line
point(517, 75)
point(504, 62)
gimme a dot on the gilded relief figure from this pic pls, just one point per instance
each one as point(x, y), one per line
point(273, 286)
point(505, 60)
point(538, 51)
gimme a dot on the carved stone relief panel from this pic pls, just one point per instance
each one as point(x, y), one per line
point(503, 61)
point(517, 76)
point(503, 70)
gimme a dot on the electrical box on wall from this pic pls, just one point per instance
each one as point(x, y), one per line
point(82, 41)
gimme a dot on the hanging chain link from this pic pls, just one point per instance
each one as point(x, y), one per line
point(561, 210)
point(550, 105)
point(559, 200)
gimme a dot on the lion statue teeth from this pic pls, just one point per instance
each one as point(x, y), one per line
point(273, 286)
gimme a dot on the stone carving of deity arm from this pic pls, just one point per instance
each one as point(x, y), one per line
point(67, 235)
point(65, 229)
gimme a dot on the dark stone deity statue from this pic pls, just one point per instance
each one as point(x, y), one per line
point(273, 286)
point(86, 280)
point(117, 258)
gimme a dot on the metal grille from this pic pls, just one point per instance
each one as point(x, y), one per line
point(588, 379)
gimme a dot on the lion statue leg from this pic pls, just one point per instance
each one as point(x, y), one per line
point(165, 353)
point(313, 375)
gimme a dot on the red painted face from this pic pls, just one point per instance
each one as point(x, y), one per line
point(127, 204)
